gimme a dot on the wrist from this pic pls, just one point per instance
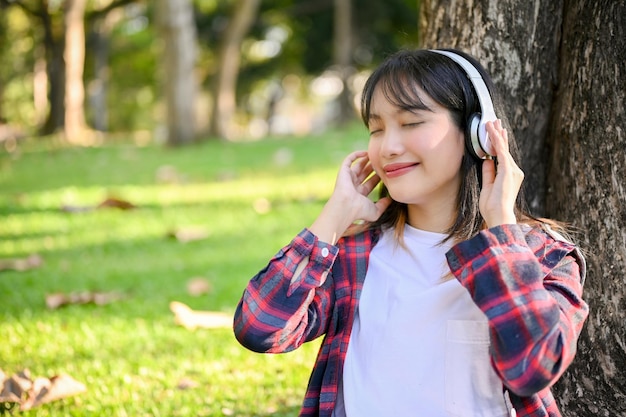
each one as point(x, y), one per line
point(505, 218)
point(332, 222)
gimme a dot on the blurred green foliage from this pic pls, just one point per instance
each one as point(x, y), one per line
point(303, 28)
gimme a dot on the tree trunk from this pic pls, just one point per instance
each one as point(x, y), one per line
point(561, 66)
point(343, 58)
point(225, 83)
point(75, 126)
point(40, 86)
point(587, 181)
point(517, 42)
point(179, 59)
point(99, 86)
point(55, 67)
point(3, 48)
point(101, 32)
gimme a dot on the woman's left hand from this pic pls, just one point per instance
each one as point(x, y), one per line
point(501, 180)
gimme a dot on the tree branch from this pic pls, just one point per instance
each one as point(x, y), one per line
point(22, 5)
point(97, 14)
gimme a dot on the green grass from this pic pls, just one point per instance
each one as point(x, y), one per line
point(130, 354)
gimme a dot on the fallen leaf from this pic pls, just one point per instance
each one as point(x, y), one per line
point(198, 286)
point(59, 299)
point(47, 390)
point(68, 208)
point(188, 234)
point(10, 391)
point(186, 383)
point(113, 202)
point(167, 174)
point(56, 300)
point(193, 319)
point(262, 205)
point(109, 202)
point(21, 264)
point(21, 389)
point(12, 388)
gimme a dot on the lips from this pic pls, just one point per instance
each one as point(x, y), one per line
point(398, 169)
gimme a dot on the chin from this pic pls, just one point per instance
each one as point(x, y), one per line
point(402, 197)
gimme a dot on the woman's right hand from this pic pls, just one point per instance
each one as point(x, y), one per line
point(349, 202)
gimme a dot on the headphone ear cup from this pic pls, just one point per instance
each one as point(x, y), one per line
point(472, 140)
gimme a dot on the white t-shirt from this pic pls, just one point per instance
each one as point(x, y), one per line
point(419, 344)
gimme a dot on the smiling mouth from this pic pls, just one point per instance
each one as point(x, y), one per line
point(398, 169)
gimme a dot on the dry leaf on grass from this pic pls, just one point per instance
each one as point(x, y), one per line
point(262, 205)
point(12, 388)
point(198, 286)
point(194, 319)
point(113, 202)
point(109, 202)
point(168, 174)
point(59, 299)
point(47, 390)
point(186, 383)
point(190, 234)
point(28, 393)
point(21, 264)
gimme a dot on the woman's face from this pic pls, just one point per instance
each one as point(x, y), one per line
point(417, 154)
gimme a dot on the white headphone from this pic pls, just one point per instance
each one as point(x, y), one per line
point(477, 134)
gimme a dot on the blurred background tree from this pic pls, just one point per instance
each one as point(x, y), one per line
point(274, 67)
point(178, 35)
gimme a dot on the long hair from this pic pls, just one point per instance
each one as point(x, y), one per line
point(399, 78)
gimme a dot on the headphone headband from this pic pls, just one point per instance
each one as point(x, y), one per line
point(478, 131)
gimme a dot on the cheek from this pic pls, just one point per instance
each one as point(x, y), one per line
point(455, 145)
point(373, 154)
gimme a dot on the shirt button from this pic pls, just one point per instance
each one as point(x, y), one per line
point(325, 252)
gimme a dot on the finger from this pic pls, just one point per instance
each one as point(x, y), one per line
point(359, 165)
point(505, 159)
point(352, 157)
point(369, 184)
point(489, 172)
point(381, 205)
point(498, 136)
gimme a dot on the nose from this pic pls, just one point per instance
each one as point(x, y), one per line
point(392, 144)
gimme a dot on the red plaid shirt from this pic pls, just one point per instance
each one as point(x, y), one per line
point(528, 284)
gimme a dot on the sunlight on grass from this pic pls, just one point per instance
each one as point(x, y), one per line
point(44, 226)
point(248, 199)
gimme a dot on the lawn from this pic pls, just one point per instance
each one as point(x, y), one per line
point(245, 199)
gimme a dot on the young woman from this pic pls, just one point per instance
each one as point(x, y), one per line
point(442, 298)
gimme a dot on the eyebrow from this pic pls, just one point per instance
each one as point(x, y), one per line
point(374, 116)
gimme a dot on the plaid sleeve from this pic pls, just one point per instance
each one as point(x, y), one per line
point(529, 286)
point(285, 304)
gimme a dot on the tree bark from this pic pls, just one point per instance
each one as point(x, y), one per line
point(101, 26)
point(517, 42)
point(98, 87)
point(561, 66)
point(75, 126)
point(587, 187)
point(179, 58)
point(3, 46)
point(55, 68)
point(225, 82)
